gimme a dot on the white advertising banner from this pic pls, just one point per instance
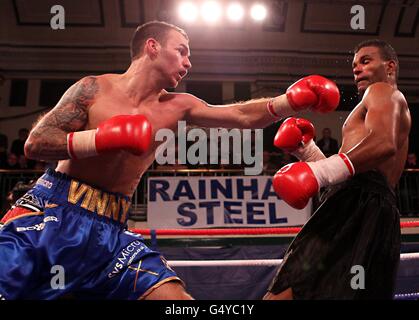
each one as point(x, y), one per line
point(205, 202)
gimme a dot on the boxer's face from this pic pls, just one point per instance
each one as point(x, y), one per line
point(368, 67)
point(174, 58)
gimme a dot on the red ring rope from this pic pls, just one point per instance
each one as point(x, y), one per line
point(239, 231)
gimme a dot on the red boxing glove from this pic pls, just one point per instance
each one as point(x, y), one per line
point(124, 132)
point(314, 92)
point(295, 136)
point(128, 132)
point(294, 133)
point(297, 182)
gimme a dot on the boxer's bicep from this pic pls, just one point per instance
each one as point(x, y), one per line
point(48, 138)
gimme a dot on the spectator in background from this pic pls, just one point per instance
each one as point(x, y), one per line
point(23, 162)
point(12, 162)
point(19, 189)
point(17, 149)
point(411, 161)
point(327, 144)
point(3, 150)
point(18, 144)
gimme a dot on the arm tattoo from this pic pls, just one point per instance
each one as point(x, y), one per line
point(49, 135)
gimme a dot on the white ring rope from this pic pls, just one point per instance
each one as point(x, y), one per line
point(225, 263)
point(413, 295)
point(409, 256)
point(253, 262)
point(275, 262)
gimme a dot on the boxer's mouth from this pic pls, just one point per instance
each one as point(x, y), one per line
point(358, 80)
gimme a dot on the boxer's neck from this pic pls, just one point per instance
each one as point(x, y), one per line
point(141, 83)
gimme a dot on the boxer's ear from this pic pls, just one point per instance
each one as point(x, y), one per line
point(391, 67)
point(151, 47)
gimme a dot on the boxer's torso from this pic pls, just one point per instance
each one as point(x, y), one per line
point(121, 171)
point(354, 131)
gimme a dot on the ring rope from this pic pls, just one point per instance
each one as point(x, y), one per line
point(238, 231)
point(225, 263)
point(218, 232)
point(407, 296)
point(253, 262)
point(276, 262)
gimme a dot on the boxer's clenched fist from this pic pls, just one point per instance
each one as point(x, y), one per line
point(124, 132)
point(297, 182)
point(295, 136)
point(314, 92)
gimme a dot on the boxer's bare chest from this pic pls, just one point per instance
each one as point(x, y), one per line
point(163, 112)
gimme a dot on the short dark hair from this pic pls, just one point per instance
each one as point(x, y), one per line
point(387, 52)
point(153, 29)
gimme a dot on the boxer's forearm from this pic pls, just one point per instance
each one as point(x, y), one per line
point(260, 113)
point(313, 92)
point(47, 144)
point(371, 151)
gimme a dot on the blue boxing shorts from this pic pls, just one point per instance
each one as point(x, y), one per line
point(65, 237)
